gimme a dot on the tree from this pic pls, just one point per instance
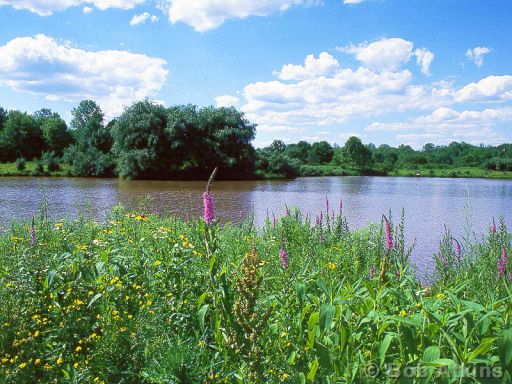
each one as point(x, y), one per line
point(299, 151)
point(90, 155)
point(141, 143)
point(320, 153)
point(3, 118)
point(56, 135)
point(356, 153)
point(21, 137)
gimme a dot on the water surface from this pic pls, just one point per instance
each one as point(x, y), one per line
point(466, 206)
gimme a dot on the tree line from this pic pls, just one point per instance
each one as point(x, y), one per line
point(150, 141)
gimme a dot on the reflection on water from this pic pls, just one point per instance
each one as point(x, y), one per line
point(466, 206)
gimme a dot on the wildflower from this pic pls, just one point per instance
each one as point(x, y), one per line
point(502, 263)
point(209, 207)
point(273, 221)
point(331, 266)
point(327, 205)
point(457, 248)
point(341, 206)
point(157, 263)
point(493, 228)
point(32, 232)
point(37, 361)
point(78, 349)
point(403, 313)
point(22, 365)
point(60, 360)
point(283, 256)
point(389, 239)
point(75, 365)
point(371, 272)
point(284, 376)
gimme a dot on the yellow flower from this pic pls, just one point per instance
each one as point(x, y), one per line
point(47, 366)
point(75, 365)
point(157, 263)
point(36, 333)
point(37, 361)
point(403, 313)
point(284, 376)
point(22, 365)
point(78, 349)
point(60, 360)
point(58, 225)
point(440, 295)
point(82, 247)
point(331, 266)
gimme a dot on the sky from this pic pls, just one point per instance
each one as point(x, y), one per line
point(388, 71)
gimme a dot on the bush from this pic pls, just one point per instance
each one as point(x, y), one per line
point(21, 163)
point(52, 161)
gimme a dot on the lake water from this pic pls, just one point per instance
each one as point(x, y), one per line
point(466, 206)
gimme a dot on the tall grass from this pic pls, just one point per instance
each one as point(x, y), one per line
point(140, 299)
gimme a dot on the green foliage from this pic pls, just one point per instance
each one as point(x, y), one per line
point(140, 299)
point(21, 163)
point(20, 137)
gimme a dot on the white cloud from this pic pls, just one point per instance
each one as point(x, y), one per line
point(491, 88)
point(446, 125)
point(209, 14)
point(352, 1)
point(87, 10)
point(476, 55)
point(227, 101)
point(44, 66)
point(47, 8)
point(384, 54)
point(313, 67)
point(424, 59)
point(143, 18)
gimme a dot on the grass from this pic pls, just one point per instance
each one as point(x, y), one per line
point(9, 169)
point(470, 172)
point(140, 299)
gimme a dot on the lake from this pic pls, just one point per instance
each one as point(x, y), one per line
point(466, 206)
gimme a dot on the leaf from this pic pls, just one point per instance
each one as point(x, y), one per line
point(201, 315)
point(321, 284)
point(301, 379)
point(326, 316)
point(482, 349)
point(432, 353)
point(95, 297)
point(201, 299)
point(313, 320)
point(312, 370)
point(383, 348)
point(301, 293)
point(505, 348)
point(440, 363)
point(291, 358)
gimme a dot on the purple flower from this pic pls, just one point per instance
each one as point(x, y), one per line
point(209, 208)
point(389, 239)
point(341, 205)
point(32, 232)
point(287, 212)
point(371, 272)
point(321, 219)
point(444, 262)
point(273, 221)
point(457, 248)
point(283, 257)
point(493, 228)
point(502, 263)
point(327, 205)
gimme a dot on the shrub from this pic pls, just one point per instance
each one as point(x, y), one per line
point(21, 164)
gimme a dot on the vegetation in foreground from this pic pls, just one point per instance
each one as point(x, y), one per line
point(140, 299)
point(150, 141)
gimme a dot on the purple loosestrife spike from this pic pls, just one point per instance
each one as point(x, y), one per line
point(273, 221)
point(493, 228)
point(458, 250)
point(502, 263)
point(287, 211)
point(341, 206)
point(444, 262)
point(371, 272)
point(389, 239)
point(321, 219)
point(327, 205)
point(283, 257)
point(32, 233)
point(209, 207)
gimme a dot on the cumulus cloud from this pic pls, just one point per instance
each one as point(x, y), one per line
point(87, 10)
point(446, 124)
point(476, 55)
point(42, 65)
point(325, 65)
point(424, 58)
point(47, 8)
point(352, 1)
point(227, 101)
point(491, 88)
point(384, 54)
point(143, 18)
point(209, 14)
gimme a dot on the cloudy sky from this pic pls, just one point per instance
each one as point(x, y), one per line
point(388, 71)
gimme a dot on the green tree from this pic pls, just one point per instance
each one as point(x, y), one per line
point(320, 153)
point(3, 118)
point(299, 151)
point(21, 137)
point(141, 143)
point(356, 153)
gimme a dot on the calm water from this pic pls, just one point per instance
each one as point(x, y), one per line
point(466, 206)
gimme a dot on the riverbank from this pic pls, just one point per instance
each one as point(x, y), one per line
point(140, 298)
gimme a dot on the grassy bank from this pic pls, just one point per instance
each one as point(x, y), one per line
point(141, 299)
point(9, 169)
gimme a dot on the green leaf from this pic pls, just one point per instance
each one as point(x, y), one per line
point(440, 363)
point(432, 353)
point(313, 320)
point(321, 284)
point(201, 299)
point(312, 370)
point(482, 349)
point(326, 316)
point(505, 348)
point(383, 348)
point(201, 315)
point(95, 297)
point(301, 379)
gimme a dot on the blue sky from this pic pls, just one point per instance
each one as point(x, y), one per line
point(388, 71)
